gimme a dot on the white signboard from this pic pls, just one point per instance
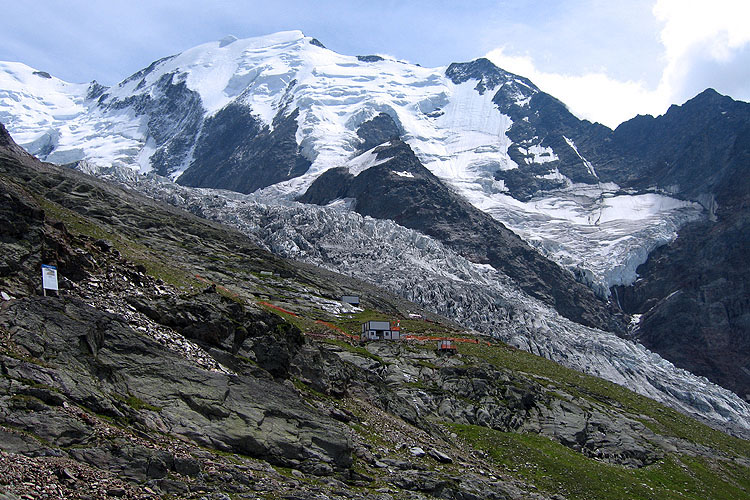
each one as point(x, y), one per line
point(49, 277)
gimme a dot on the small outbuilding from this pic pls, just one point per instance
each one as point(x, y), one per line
point(350, 299)
point(446, 346)
point(380, 330)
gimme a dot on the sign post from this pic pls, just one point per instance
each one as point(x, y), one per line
point(49, 278)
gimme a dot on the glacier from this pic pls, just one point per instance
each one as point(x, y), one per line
point(424, 271)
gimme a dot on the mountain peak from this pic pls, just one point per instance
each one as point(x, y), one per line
point(709, 97)
point(227, 40)
point(484, 70)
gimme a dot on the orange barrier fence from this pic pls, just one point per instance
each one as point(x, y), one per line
point(277, 308)
point(337, 329)
point(454, 339)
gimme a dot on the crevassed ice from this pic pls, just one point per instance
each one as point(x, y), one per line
point(421, 269)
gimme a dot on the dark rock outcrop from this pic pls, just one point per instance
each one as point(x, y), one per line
point(488, 75)
point(96, 361)
point(690, 151)
point(693, 293)
point(378, 130)
point(236, 152)
point(370, 58)
point(174, 116)
point(538, 119)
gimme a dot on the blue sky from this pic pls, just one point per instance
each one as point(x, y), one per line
point(607, 60)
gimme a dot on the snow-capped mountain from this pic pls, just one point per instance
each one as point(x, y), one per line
point(275, 112)
point(457, 152)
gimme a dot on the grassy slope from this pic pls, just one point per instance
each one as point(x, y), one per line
point(557, 469)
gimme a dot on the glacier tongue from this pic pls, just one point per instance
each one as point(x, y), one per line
point(424, 271)
point(598, 232)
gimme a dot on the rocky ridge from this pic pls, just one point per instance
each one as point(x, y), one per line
point(158, 370)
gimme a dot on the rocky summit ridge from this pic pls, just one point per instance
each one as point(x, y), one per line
point(180, 360)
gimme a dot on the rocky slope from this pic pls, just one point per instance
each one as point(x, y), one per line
point(693, 293)
point(162, 369)
point(425, 271)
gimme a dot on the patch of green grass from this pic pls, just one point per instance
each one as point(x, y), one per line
point(306, 389)
point(31, 383)
point(352, 323)
point(419, 384)
point(555, 468)
point(11, 353)
point(370, 435)
point(156, 268)
point(136, 403)
point(427, 364)
point(10, 428)
point(27, 399)
point(659, 418)
point(74, 222)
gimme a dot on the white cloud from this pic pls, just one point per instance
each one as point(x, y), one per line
point(704, 44)
point(699, 34)
point(594, 96)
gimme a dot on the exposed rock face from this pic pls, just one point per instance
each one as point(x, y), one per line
point(236, 151)
point(27, 238)
point(565, 144)
point(578, 145)
point(96, 361)
point(173, 115)
point(403, 190)
point(691, 150)
point(693, 293)
point(369, 58)
point(695, 301)
point(488, 75)
point(377, 131)
point(214, 320)
point(421, 388)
